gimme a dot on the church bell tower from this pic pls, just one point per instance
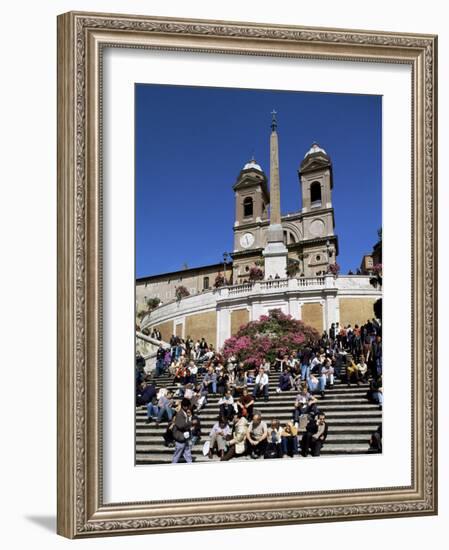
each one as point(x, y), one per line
point(320, 245)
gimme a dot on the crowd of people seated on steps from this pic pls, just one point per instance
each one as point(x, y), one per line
point(197, 372)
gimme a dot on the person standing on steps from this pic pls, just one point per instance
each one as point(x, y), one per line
point(160, 361)
point(182, 433)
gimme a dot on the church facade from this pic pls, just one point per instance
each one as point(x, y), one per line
point(309, 234)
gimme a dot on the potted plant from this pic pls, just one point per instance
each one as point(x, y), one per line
point(181, 292)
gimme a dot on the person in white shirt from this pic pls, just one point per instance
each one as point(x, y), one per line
point(226, 404)
point(261, 384)
point(193, 369)
point(219, 435)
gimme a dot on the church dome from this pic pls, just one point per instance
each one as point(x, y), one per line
point(315, 149)
point(252, 165)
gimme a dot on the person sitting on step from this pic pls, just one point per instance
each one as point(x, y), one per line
point(362, 367)
point(240, 382)
point(261, 384)
point(285, 380)
point(169, 440)
point(219, 435)
point(256, 437)
point(353, 374)
point(210, 381)
point(289, 440)
point(145, 393)
point(165, 407)
point(222, 379)
point(199, 398)
point(317, 385)
point(237, 444)
point(274, 449)
point(375, 392)
point(226, 404)
point(196, 430)
point(314, 436)
point(245, 405)
point(328, 371)
point(301, 402)
point(375, 442)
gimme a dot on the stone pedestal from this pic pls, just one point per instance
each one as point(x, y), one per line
point(275, 253)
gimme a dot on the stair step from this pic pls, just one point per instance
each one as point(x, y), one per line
point(156, 444)
point(328, 449)
point(157, 431)
point(282, 407)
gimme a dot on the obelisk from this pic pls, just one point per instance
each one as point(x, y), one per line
point(275, 253)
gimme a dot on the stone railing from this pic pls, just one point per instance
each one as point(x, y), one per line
point(207, 301)
point(195, 302)
point(275, 286)
point(235, 290)
point(315, 281)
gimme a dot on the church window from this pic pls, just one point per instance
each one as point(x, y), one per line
point(248, 207)
point(205, 283)
point(315, 194)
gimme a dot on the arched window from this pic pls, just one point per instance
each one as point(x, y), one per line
point(289, 237)
point(315, 194)
point(205, 283)
point(248, 207)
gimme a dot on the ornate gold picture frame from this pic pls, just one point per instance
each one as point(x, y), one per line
point(82, 38)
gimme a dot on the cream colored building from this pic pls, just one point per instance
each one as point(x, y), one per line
point(217, 314)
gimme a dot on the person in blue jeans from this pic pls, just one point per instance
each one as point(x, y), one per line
point(305, 371)
point(210, 381)
point(165, 408)
point(261, 384)
point(289, 440)
point(317, 384)
point(152, 412)
point(160, 361)
point(182, 433)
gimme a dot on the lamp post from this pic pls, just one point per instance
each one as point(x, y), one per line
point(225, 261)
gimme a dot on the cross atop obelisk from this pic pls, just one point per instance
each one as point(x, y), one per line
point(275, 252)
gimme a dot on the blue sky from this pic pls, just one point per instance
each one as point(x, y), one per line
point(192, 142)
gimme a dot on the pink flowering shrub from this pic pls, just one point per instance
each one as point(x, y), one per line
point(255, 274)
point(181, 292)
point(264, 340)
point(334, 269)
point(220, 281)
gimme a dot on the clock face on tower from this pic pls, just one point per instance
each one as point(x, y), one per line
point(247, 240)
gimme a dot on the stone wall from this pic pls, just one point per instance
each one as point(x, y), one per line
point(312, 314)
point(239, 317)
point(356, 311)
point(202, 325)
point(166, 330)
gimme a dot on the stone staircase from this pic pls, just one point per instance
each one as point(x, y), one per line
point(350, 417)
